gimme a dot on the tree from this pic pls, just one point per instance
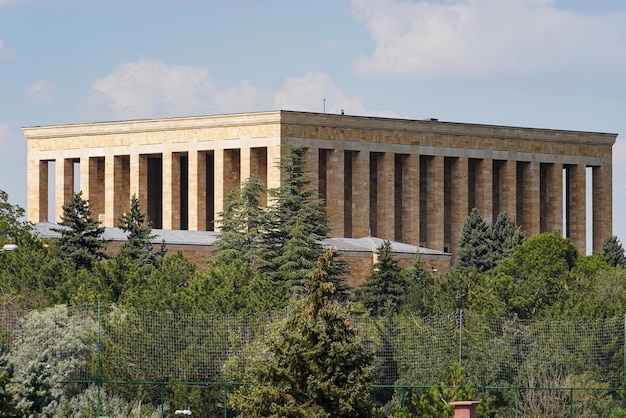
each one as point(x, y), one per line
point(420, 287)
point(504, 236)
point(436, 403)
point(297, 223)
point(386, 286)
point(7, 403)
point(613, 252)
point(139, 242)
point(316, 366)
point(475, 248)
point(242, 224)
point(34, 395)
point(12, 227)
point(80, 240)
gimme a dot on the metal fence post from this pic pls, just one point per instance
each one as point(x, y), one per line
point(460, 335)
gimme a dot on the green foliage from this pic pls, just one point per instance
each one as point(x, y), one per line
point(504, 236)
point(12, 225)
point(316, 366)
point(385, 289)
point(7, 403)
point(613, 252)
point(242, 224)
point(34, 395)
point(80, 240)
point(541, 269)
point(474, 248)
point(139, 244)
point(297, 220)
point(436, 403)
point(421, 284)
point(62, 337)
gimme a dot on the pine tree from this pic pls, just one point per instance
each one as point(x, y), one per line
point(297, 222)
point(475, 248)
point(138, 246)
point(386, 286)
point(242, 224)
point(34, 395)
point(80, 240)
point(613, 252)
point(7, 403)
point(317, 366)
point(504, 236)
point(420, 286)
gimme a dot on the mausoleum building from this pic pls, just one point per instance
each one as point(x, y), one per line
point(409, 181)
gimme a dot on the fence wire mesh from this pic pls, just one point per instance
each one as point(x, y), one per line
point(152, 355)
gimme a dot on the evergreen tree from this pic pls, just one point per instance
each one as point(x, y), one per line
point(12, 225)
point(316, 365)
point(80, 240)
point(420, 287)
point(34, 395)
point(297, 222)
point(475, 247)
point(613, 252)
point(7, 404)
point(386, 286)
point(242, 224)
point(138, 247)
point(504, 236)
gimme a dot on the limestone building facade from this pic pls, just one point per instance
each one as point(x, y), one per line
point(410, 181)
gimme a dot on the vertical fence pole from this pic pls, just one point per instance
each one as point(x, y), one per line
point(225, 400)
point(162, 400)
point(460, 335)
point(571, 402)
point(517, 402)
point(99, 376)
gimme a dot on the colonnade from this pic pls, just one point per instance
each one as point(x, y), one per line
point(418, 199)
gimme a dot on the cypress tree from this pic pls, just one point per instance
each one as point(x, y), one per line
point(504, 236)
point(80, 240)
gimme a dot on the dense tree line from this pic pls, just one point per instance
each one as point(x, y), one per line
point(268, 258)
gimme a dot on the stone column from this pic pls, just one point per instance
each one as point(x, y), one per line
point(508, 190)
point(602, 184)
point(554, 195)
point(139, 179)
point(576, 228)
point(245, 163)
point(37, 191)
point(171, 190)
point(227, 177)
point(435, 203)
point(411, 199)
point(459, 201)
point(109, 191)
point(360, 194)
point(274, 154)
point(335, 191)
point(311, 160)
point(197, 190)
point(385, 175)
point(531, 198)
point(484, 189)
point(64, 184)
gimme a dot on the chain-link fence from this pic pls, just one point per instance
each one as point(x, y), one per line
point(162, 360)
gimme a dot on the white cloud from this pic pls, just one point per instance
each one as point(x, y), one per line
point(4, 51)
point(151, 89)
point(307, 93)
point(40, 93)
point(146, 89)
point(482, 37)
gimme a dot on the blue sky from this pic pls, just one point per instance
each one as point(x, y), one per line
point(536, 63)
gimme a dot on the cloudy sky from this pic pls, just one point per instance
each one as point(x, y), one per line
point(533, 63)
